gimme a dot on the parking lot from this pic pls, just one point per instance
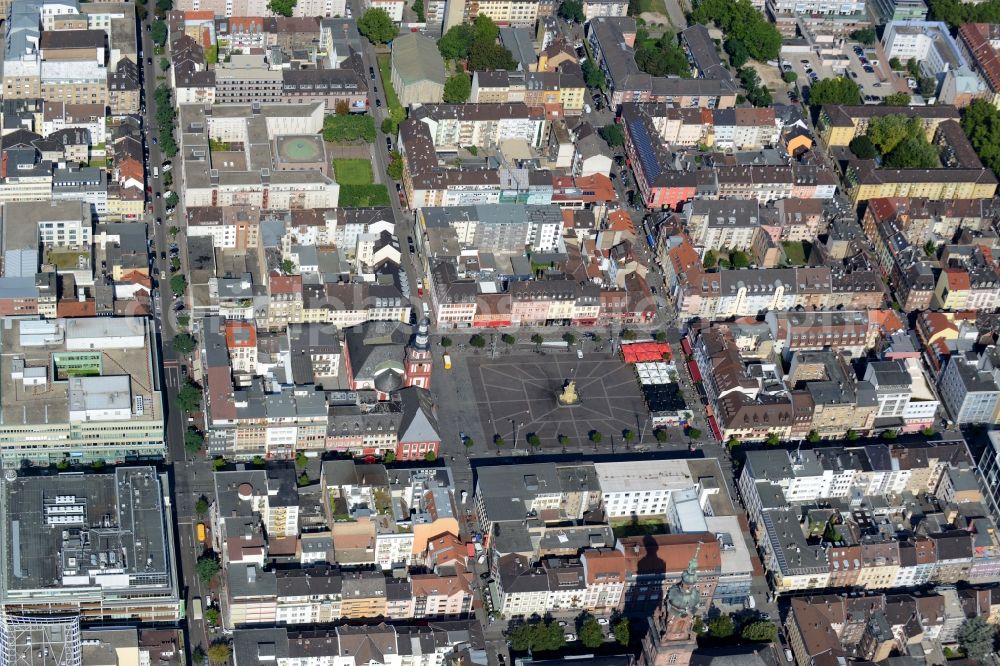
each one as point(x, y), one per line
point(865, 65)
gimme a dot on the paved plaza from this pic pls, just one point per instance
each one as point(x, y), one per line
point(519, 391)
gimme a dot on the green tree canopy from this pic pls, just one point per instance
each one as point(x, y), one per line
point(839, 90)
point(158, 31)
point(220, 652)
point(887, 132)
point(178, 285)
point(737, 52)
point(612, 134)
point(622, 631)
point(355, 127)
point(537, 636)
point(913, 153)
point(863, 148)
point(183, 343)
point(864, 35)
point(477, 341)
point(740, 21)
point(282, 7)
point(721, 626)
point(193, 441)
point(976, 637)
point(457, 89)
point(208, 567)
point(487, 55)
point(896, 99)
point(590, 633)
point(981, 122)
point(662, 57)
point(377, 26)
point(455, 43)
point(534, 440)
point(430, 456)
point(189, 397)
point(572, 10)
point(760, 631)
point(201, 507)
point(593, 75)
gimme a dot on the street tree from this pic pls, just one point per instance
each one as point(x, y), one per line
point(208, 567)
point(220, 652)
point(193, 441)
point(282, 7)
point(477, 341)
point(590, 633)
point(189, 397)
point(595, 436)
point(622, 631)
point(534, 440)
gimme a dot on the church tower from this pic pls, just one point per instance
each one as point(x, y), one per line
point(670, 640)
point(418, 357)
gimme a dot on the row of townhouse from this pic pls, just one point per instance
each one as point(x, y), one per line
point(964, 277)
point(323, 594)
point(252, 411)
point(664, 183)
point(851, 541)
point(753, 398)
point(424, 644)
point(873, 626)
point(739, 129)
point(463, 302)
point(564, 87)
point(741, 293)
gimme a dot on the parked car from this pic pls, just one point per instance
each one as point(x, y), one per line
point(371, 70)
point(603, 621)
point(378, 103)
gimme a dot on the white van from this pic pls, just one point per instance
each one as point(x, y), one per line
point(156, 172)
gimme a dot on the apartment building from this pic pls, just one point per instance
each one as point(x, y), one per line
point(977, 42)
point(715, 224)
point(839, 124)
point(484, 125)
point(505, 228)
point(868, 182)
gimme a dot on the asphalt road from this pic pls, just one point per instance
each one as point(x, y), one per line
point(191, 478)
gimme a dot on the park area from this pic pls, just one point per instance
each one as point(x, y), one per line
point(357, 186)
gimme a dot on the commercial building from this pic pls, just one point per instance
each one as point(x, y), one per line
point(432, 644)
point(85, 389)
point(98, 545)
point(929, 43)
point(969, 389)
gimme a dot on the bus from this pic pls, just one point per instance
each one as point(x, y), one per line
point(196, 608)
point(201, 532)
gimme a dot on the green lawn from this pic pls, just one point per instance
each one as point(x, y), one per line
point(363, 196)
point(384, 69)
point(68, 259)
point(636, 526)
point(352, 172)
point(657, 6)
point(796, 252)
